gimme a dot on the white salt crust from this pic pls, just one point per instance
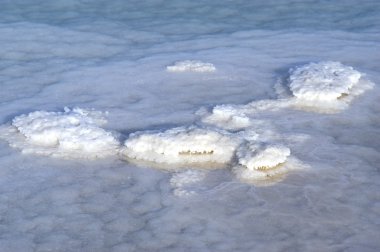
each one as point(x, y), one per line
point(323, 81)
point(77, 132)
point(226, 117)
point(182, 145)
point(73, 133)
point(191, 66)
point(257, 157)
point(324, 87)
point(270, 176)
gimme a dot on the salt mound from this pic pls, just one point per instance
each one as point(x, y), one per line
point(72, 133)
point(191, 66)
point(226, 116)
point(181, 145)
point(261, 162)
point(323, 81)
point(255, 157)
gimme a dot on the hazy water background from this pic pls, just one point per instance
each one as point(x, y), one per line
point(111, 55)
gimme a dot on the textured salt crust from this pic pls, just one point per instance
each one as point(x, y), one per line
point(180, 180)
point(226, 117)
point(324, 87)
point(262, 164)
point(191, 66)
point(256, 157)
point(181, 145)
point(238, 117)
point(73, 133)
point(267, 177)
point(76, 133)
point(323, 81)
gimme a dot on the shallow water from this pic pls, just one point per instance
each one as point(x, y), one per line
point(113, 57)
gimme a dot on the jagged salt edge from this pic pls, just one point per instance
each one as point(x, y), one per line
point(182, 145)
point(17, 135)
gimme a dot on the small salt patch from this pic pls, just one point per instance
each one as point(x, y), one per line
point(255, 157)
point(226, 117)
point(191, 66)
point(257, 163)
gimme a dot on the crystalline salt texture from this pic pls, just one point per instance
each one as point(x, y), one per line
point(227, 117)
point(255, 157)
point(72, 133)
point(259, 163)
point(181, 145)
point(324, 81)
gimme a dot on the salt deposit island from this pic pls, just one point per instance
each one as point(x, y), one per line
point(226, 136)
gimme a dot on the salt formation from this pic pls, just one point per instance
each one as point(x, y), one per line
point(324, 81)
point(256, 158)
point(226, 117)
point(72, 133)
point(326, 86)
point(181, 145)
point(261, 162)
point(191, 66)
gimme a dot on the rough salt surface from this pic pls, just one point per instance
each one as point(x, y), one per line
point(191, 66)
point(181, 145)
point(255, 157)
point(264, 164)
point(73, 133)
point(324, 81)
point(225, 116)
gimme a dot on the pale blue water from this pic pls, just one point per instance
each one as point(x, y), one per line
point(112, 55)
point(201, 17)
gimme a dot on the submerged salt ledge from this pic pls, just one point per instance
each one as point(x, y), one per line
point(180, 180)
point(73, 133)
point(191, 66)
